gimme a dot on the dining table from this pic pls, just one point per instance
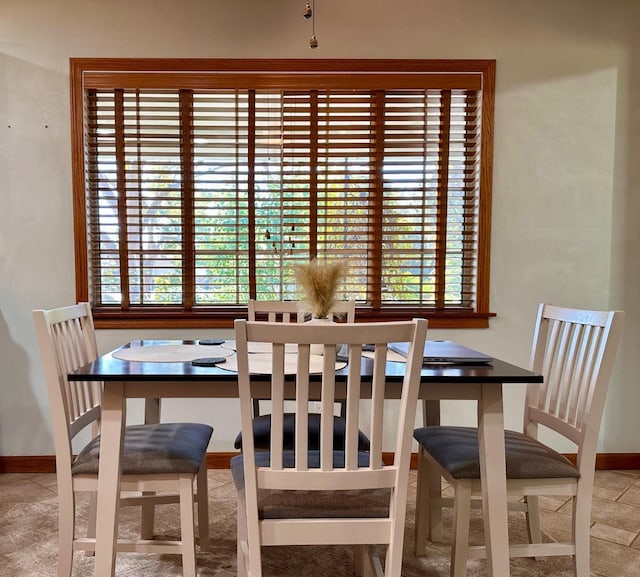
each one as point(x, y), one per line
point(155, 369)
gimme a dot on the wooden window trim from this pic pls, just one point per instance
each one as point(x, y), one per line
point(187, 73)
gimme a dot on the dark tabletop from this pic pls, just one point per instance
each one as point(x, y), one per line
point(109, 368)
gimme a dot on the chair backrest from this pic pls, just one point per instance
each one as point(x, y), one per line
point(281, 473)
point(66, 338)
point(574, 350)
point(290, 311)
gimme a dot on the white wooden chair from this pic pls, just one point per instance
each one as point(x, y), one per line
point(574, 350)
point(290, 312)
point(326, 496)
point(162, 457)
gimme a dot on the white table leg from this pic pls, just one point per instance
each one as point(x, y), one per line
point(494, 484)
point(112, 433)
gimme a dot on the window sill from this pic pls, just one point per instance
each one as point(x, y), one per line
point(223, 318)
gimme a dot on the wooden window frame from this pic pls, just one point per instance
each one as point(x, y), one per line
point(190, 73)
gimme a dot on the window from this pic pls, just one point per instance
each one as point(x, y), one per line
point(198, 183)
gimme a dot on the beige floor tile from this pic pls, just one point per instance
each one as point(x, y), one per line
point(632, 495)
point(613, 534)
point(25, 491)
point(222, 491)
point(555, 526)
point(612, 513)
point(612, 560)
point(47, 480)
point(553, 503)
point(611, 484)
point(631, 473)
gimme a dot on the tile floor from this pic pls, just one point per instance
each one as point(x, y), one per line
point(28, 512)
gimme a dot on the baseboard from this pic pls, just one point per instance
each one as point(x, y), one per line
point(47, 463)
point(29, 464)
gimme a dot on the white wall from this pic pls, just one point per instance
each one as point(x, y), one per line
point(567, 132)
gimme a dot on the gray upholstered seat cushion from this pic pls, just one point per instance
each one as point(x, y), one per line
point(153, 449)
point(262, 433)
point(279, 504)
point(456, 450)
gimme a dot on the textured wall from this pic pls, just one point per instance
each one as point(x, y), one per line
point(566, 133)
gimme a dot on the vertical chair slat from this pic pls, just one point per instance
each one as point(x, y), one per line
point(84, 356)
point(555, 379)
point(377, 405)
point(277, 404)
point(354, 385)
point(67, 361)
point(327, 403)
point(577, 379)
point(594, 358)
point(569, 371)
point(547, 365)
point(302, 414)
point(76, 356)
point(302, 404)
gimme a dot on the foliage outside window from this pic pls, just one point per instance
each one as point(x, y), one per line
point(199, 183)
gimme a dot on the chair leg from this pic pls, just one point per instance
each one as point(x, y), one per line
point(147, 517)
point(360, 553)
point(91, 520)
point(187, 526)
point(461, 513)
point(66, 529)
point(581, 527)
point(533, 519)
point(393, 560)
point(241, 539)
point(428, 522)
point(241, 569)
point(434, 505)
point(423, 505)
point(203, 506)
point(368, 563)
point(252, 542)
point(255, 558)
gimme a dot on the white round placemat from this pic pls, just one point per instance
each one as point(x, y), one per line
point(171, 353)
point(260, 364)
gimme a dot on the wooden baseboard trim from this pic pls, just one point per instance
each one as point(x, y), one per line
point(220, 460)
point(47, 463)
point(31, 464)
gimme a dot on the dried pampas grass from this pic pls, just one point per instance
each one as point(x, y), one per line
point(318, 283)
